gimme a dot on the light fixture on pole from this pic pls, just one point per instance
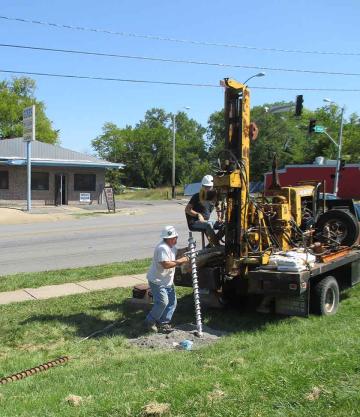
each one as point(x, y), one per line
point(259, 74)
point(174, 153)
point(339, 147)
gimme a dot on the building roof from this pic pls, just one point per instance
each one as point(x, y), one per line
point(13, 152)
point(306, 166)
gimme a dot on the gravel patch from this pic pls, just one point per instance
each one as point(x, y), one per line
point(172, 340)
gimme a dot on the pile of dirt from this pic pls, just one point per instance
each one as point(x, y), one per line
point(179, 334)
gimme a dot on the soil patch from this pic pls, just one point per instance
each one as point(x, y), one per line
point(172, 340)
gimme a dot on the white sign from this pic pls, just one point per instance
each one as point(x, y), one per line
point(85, 198)
point(29, 123)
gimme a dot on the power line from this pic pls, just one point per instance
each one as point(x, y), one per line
point(88, 77)
point(176, 61)
point(352, 90)
point(169, 39)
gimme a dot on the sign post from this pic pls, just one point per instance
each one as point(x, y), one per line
point(29, 136)
point(110, 198)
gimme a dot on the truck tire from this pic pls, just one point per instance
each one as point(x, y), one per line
point(325, 297)
point(342, 226)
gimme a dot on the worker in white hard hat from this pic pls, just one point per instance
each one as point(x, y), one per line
point(199, 209)
point(161, 281)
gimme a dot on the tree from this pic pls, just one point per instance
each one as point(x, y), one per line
point(191, 155)
point(15, 95)
point(215, 133)
point(351, 149)
point(330, 117)
point(146, 149)
point(278, 133)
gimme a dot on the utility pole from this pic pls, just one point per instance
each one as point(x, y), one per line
point(173, 158)
point(174, 153)
point(339, 147)
point(338, 162)
point(29, 136)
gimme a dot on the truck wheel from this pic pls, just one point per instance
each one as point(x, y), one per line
point(339, 225)
point(325, 297)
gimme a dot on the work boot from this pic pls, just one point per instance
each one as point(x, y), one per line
point(150, 327)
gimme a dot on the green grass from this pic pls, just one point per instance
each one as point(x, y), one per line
point(266, 367)
point(38, 279)
point(90, 214)
point(149, 194)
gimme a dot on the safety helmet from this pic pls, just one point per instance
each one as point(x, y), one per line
point(168, 232)
point(207, 181)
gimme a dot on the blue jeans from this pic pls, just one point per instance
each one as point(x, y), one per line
point(206, 227)
point(164, 304)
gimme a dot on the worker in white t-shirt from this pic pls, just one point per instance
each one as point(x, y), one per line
point(161, 281)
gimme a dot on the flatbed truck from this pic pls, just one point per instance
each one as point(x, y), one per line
point(315, 290)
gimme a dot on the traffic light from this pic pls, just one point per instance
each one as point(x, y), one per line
point(342, 163)
point(312, 124)
point(299, 105)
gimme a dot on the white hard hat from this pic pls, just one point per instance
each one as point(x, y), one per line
point(168, 232)
point(207, 181)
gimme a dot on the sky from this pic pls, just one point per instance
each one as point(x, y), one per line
point(80, 107)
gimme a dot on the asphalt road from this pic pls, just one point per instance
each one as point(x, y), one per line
point(90, 240)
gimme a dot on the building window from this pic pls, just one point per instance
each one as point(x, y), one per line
point(84, 182)
point(4, 180)
point(39, 180)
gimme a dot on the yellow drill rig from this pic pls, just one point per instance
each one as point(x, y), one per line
point(282, 220)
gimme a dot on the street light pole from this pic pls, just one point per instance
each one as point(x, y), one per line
point(174, 153)
point(260, 74)
point(173, 159)
point(339, 148)
point(338, 162)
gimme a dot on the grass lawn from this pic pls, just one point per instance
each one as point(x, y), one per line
point(266, 366)
point(61, 276)
point(163, 193)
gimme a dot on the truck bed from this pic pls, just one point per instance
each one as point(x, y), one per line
point(264, 281)
point(290, 291)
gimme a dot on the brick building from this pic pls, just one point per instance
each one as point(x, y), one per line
point(58, 175)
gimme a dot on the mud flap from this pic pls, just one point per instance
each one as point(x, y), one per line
point(295, 305)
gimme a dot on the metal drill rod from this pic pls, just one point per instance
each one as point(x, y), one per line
point(192, 246)
point(32, 371)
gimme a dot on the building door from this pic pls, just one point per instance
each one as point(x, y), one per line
point(60, 190)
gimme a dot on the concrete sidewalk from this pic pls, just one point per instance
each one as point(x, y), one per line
point(60, 290)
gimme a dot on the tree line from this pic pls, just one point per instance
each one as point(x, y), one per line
point(146, 148)
point(15, 95)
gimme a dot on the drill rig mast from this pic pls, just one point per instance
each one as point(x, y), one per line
point(232, 180)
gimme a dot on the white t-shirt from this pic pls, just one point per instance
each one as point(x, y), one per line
point(157, 274)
